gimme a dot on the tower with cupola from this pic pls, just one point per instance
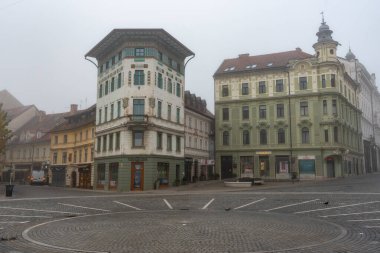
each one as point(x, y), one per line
point(326, 47)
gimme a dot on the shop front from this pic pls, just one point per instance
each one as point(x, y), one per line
point(58, 176)
point(84, 176)
point(282, 167)
point(306, 165)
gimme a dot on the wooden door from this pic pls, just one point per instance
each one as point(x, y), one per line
point(137, 176)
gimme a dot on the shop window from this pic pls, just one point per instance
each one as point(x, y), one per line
point(163, 174)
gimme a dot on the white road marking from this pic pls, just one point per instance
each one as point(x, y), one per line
point(336, 207)
point(372, 226)
point(85, 207)
point(18, 222)
point(37, 210)
point(208, 204)
point(346, 214)
point(249, 204)
point(1, 228)
point(168, 204)
point(120, 203)
point(24, 216)
point(276, 208)
point(364, 220)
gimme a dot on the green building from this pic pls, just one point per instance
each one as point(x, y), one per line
point(288, 114)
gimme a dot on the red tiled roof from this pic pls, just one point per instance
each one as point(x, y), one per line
point(260, 62)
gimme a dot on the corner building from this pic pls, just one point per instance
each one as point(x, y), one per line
point(288, 113)
point(140, 110)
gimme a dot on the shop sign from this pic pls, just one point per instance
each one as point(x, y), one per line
point(306, 157)
point(263, 152)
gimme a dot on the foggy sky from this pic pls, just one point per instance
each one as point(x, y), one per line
point(43, 42)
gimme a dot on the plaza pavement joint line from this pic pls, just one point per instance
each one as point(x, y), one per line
point(346, 214)
point(364, 220)
point(123, 204)
point(85, 207)
point(249, 203)
point(168, 204)
point(24, 216)
point(336, 207)
point(38, 210)
point(295, 204)
point(16, 222)
point(209, 203)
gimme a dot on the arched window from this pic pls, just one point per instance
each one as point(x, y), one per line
point(281, 136)
point(263, 136)
point(226, 138)
point(305, 135)
point(245, 137)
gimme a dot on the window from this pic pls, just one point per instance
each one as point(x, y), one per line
point(159, 78)
point(225, 90)
point(280, 110)
point(324, 102)
point(159, 109)
point(92, 154)
point(110, 142)
point(226, 138)
point(98, 146)
point(244, 89)
point(178, 90)
point(85, 154)
point(80, 155)
point(323, 81)
point(56, 139)
point(245, 112)
point(336, 139)
point(226, 114)
point(169, 112)
point(178, 144)
point(280, 85)
point(159, 55)
point(304, 110)
point(159, 140)
point(263, 136)
point(100, 90)
point(169, 142)
point(303, 83)
point(332, 80)
point(112, 111)
point(281, 136)
point(178, 115)
point(118, 108)
point(75, 156)
point(106, 88)
point(119, 80)
point(139, 52)
point(305, 135)
point(262, 87)
point(100, 116)
point(139, 77)
point(245, 137)
point(113, 60)
point(105, 113)
point(334, 107)
point(170, 86)
point(117, 141)
point(112, 84)
point(138, 139)
point(326, 135)
point(104, 142)
point(64, 157)
point(262, 111)
point(120, 56)
point(65, 138)
point(55, 157)
point(138, 109)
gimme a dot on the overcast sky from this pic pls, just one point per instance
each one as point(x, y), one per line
point(43, 42)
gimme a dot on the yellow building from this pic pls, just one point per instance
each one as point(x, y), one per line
point(72, 150)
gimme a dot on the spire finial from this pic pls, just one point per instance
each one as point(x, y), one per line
point(323, 18)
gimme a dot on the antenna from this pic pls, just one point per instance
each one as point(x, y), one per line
point(323, 17)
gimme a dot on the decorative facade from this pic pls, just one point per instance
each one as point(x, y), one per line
point(288, 114)
point(72, 149)
point(199, 139)
point(140, 110)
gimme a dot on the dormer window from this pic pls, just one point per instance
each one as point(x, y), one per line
point(270, 64)
point(331, 51)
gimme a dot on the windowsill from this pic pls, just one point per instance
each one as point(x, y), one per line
point(138, 147)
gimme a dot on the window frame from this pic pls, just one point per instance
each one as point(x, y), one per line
point(244, 89)
point(302, 82)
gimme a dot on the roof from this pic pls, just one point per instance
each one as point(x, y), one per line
point(8, 100)
point(245, 62)
point(118, 36)
point(15, 112)
point(197, 105)
point(79, 119)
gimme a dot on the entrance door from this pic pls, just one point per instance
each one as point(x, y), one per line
point(137, 176)
point(264, 166)
point(330, 168)
point(226, 162)
point(73, 179)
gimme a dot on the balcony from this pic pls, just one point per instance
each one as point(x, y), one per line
point(137, 121)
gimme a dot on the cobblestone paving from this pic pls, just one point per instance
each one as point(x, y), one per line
point(334, 216)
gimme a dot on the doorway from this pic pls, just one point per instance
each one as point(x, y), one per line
point(330, 168)
point(73, 179)
point(226, 162)
point(137, 176)
point(264, 166)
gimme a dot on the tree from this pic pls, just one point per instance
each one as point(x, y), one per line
point(5, 133)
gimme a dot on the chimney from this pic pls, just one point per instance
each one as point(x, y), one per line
point(243, 55)
point(73, 108)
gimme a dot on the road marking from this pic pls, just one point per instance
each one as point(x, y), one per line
point(249, 204)
point(168, 204)
point(345, 214)
point(18, 222)
point(372, 226)
point(336, 207)
point(24, 216)
point(276, 208)
point(85, 207)
point(120, 203)
point(208, 204)
point(37, 210)
point(364, 220)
